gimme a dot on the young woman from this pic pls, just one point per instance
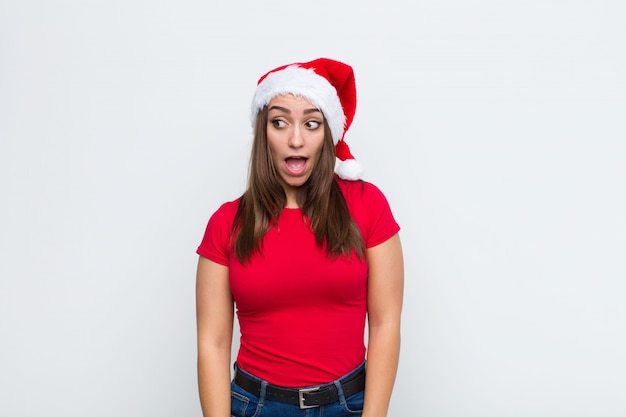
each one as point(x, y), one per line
point(306, 254)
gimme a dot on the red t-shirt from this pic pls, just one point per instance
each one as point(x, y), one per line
point(301, 313)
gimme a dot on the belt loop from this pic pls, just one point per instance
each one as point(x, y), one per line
point(340, 395)
point(263, 393)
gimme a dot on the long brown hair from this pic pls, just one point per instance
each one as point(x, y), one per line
point(319, 198)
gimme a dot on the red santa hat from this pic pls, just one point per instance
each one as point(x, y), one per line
point(329, 86)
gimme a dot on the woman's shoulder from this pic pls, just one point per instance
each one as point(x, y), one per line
point(215, 244)
point(226, 211)
point(359, 190)
point(230, 206)
point(370, 210)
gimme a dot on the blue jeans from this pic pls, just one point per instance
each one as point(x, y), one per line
point(245, 404)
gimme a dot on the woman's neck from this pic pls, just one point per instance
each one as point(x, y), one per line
point(292, 196)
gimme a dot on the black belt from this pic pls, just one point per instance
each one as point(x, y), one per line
point(305, 397)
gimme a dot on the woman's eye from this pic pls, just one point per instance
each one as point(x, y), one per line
point(278, 123)
point(312, 124)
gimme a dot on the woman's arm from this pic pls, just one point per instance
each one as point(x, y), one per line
point(384, 305)
point(214, 313)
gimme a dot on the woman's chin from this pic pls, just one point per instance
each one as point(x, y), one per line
point(294, 181)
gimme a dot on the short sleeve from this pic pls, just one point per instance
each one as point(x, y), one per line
point(216, 244)
point(382, 224)
point(371, 211)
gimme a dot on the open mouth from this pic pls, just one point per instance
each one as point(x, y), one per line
point(296, 164)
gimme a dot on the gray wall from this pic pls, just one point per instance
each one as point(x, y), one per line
point(496, 130)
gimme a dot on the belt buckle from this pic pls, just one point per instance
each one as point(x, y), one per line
point(301, 393)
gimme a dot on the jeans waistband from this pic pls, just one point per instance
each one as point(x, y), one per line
point(307, 397)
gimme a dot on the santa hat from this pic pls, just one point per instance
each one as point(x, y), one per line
point(329, 86)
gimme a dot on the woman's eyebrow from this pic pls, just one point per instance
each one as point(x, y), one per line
point(286, 110)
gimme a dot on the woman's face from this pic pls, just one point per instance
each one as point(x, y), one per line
point(295, 135)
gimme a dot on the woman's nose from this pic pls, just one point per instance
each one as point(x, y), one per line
point(296, 140)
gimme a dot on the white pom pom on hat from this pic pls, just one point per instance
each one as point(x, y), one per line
point(329, 85)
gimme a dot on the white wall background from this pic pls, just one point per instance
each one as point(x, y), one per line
point(496, 129)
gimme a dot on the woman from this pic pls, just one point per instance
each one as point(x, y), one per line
point(305, 254)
